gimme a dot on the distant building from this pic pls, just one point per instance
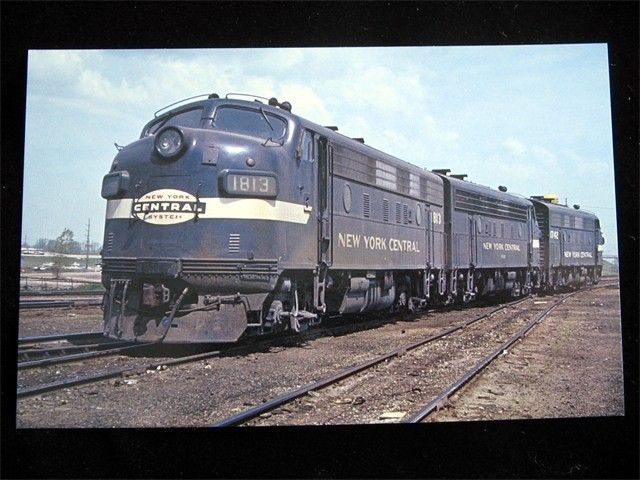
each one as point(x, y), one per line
point(31, 251)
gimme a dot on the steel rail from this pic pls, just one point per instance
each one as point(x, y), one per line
point(44, 388)
point(62, 336)
point(478, 367)
point(62, 293)
point(26, 304)
point(81, 356)
point(38, 389)
point(252, 412)
point(29, 354)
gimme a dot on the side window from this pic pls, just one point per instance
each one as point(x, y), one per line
point(307, 153)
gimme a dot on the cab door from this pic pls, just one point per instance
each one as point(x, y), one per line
point(429, 233)
point(307, 183)
point(473, 241)
point(325, 222)
point(325, 202)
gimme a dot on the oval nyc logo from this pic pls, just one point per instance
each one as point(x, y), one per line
point(166, 207)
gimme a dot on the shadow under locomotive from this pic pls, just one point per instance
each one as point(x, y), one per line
point(333, 327)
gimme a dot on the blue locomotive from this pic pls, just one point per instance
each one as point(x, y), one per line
point(230, 217)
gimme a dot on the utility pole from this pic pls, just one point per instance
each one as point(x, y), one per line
point(86, 266)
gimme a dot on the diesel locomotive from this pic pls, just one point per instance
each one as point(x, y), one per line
point(231, 217)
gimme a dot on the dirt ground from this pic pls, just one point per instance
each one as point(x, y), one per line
point(568, 366)
point(50, 321)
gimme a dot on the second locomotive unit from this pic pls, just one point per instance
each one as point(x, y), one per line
point(230, 217)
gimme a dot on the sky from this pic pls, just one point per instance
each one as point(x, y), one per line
point(536, 119)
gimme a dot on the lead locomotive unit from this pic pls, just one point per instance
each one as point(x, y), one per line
point(231, 217)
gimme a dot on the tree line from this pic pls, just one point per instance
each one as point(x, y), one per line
point(65, 243)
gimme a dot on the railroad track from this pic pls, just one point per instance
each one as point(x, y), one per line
point(28, 304)
point(253, 412)
point(261, 343)
point(61, 293)
point(63, 336)
point(255, 343)
point(439, 399)
point(36, 357)
point(137, 369)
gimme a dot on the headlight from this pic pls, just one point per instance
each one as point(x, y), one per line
point(115, 184)
point(169, 142)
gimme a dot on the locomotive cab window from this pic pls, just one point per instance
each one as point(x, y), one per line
point(189, 118)
point(306, 147)
point(256, 123)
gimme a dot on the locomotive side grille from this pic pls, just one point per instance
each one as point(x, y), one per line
point(475, 203)
point(398, 212)
point(234, 242)
point(543, 225)
point(366, 205)
point(119, 265)
point(357, 166)
point(385, 209)
point(196, 266)
point(405, 213)
point(109, 242)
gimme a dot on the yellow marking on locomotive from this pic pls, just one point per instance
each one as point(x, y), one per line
point(229, 208)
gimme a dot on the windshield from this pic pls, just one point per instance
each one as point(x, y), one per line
point(256, 123)
point(186, 118)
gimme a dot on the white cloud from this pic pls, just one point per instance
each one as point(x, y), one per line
point(534, 154)
point(544, 156)
point(380, 87)
point(435, 131)
point(175, 79)
point(93, 84)
point(515, 147)
point(306, 102)
point(290, 57)
point(48, 64)
point(504, 170)
point(589, 166)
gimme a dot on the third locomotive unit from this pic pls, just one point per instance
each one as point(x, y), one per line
point(230, 217)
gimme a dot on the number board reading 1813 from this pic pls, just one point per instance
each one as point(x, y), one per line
point(259, 185)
